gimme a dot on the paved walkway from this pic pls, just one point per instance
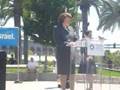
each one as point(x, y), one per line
point(51, 85)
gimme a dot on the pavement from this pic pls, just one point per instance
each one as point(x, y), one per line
point(52, 85)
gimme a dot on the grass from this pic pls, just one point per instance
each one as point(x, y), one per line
point(41, 70)
point(24, 69)
point(14, 70)
point(109, 73)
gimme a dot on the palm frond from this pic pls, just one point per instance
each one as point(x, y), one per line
point(6, 11)
point(110, 16)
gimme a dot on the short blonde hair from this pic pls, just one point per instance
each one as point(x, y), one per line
point(62, 16)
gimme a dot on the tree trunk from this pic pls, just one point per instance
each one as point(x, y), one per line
point(84, 8)
point(46, 62)
point(85, 20)
point(17, 23)
point(25, 48)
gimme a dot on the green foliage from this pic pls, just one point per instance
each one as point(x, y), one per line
point(110, 15)
point(108, 73)
point(40, 16)
point(6, 11)
point(115, 57)
point(14, 69)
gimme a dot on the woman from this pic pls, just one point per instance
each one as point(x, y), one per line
point(63, 34)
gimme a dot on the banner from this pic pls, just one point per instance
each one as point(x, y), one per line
point(95, 48)
point(9, 36)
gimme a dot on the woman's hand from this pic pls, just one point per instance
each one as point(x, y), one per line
point(71, 44)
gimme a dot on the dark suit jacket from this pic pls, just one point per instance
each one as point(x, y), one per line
point(61, 36)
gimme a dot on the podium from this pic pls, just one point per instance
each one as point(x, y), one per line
point(88, 50)
point(94, 47)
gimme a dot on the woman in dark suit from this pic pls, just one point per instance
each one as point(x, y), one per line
point(64, 34)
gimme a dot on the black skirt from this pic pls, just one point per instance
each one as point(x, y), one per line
point(65, 65)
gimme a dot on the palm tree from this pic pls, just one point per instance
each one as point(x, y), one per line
point(5, 11)
point(85, 7)
point(13, 8)
point(110, 15)
point(17, 12)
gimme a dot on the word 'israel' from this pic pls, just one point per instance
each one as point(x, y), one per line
point(7, 36)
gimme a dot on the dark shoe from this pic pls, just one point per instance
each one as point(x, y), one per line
point(59, 86)
point(67, 85)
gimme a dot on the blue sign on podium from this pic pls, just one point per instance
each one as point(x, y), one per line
point(9, 36)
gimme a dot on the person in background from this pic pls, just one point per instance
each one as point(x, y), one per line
point(109, 62)
point(32, 69)
point(91, 69)
point(12, 60)
point(90, 64)
point(32, 66)
point(62, 35)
